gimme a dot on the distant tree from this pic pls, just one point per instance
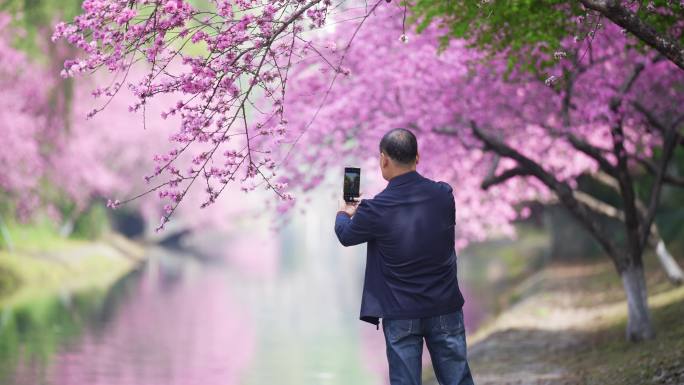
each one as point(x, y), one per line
point(23, 123)
point(111, 153)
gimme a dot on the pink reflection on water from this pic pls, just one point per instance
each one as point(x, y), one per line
point(188, 332)
point(254, 253)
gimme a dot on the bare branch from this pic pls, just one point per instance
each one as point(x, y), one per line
point(579, 209)
point(652, 168)
point(622, 16)
point(504, 176)
point(652, 119)
point(669, 143)
point(593, 152)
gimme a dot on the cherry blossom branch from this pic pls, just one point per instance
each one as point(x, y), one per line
point(332, 82)
point(563, 191)
point(244, 43)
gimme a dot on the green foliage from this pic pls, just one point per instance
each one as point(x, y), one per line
point(36, 18)
point(39, 235)
point(55, 265)
point(92, 223)
point(9, 281)
point(527, 31)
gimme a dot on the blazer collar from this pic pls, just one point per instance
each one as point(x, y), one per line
point(404, 178)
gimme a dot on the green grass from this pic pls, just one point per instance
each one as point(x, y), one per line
point(38, 237)
point(33, 277)
point(609, 359)
point(601, 355)
point(43, 264)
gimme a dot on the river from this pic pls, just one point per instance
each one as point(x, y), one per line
point(252, 308)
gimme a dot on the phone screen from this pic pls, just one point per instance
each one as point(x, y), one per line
point(352, 180)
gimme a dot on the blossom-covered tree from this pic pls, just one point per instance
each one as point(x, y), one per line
point(56, 153)
point(218, 60)
point(110, 153)
point(23, 119)
point(253, 77)
point(605, 111)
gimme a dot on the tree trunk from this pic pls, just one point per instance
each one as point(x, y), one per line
point(69, 223)
point(67, 227)
point(639, 325)
point(669, 264)
point(6, 235)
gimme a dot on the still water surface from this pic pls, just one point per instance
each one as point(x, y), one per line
point(258, 308)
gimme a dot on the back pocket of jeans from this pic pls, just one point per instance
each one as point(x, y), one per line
point(397, 329)
point(452, 322)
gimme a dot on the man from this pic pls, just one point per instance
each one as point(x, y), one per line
point(410, 281)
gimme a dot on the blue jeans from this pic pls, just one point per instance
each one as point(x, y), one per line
point(445, 339)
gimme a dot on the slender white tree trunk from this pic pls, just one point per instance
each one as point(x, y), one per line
point(6, 235)
point(672, 270)
point(67, 228)
point(639, 325)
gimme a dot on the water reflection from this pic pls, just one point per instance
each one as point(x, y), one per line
point(249, 317)
point(167, 324)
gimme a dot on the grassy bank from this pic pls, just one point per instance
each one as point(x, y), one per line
point(567, 326)
point(51, 287)
point(42, 264)
point(608, 359)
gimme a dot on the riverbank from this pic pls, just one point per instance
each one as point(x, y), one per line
point(42, 266)
point(567, 326)
point(52, 288)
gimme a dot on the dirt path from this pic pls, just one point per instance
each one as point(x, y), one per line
point(552, 334)
point(520, 345)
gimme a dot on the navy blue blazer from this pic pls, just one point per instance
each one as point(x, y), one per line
point(411, 260)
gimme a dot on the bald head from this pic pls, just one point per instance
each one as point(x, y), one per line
point(400, 145)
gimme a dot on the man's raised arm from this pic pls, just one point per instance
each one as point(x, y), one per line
point(355, 228)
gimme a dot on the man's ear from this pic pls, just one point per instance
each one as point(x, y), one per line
point(417, 157)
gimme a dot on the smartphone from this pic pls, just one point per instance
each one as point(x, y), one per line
point(352, 181)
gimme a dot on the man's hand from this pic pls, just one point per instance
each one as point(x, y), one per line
point(349, 207)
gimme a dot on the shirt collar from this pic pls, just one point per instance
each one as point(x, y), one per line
point(404, 178)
